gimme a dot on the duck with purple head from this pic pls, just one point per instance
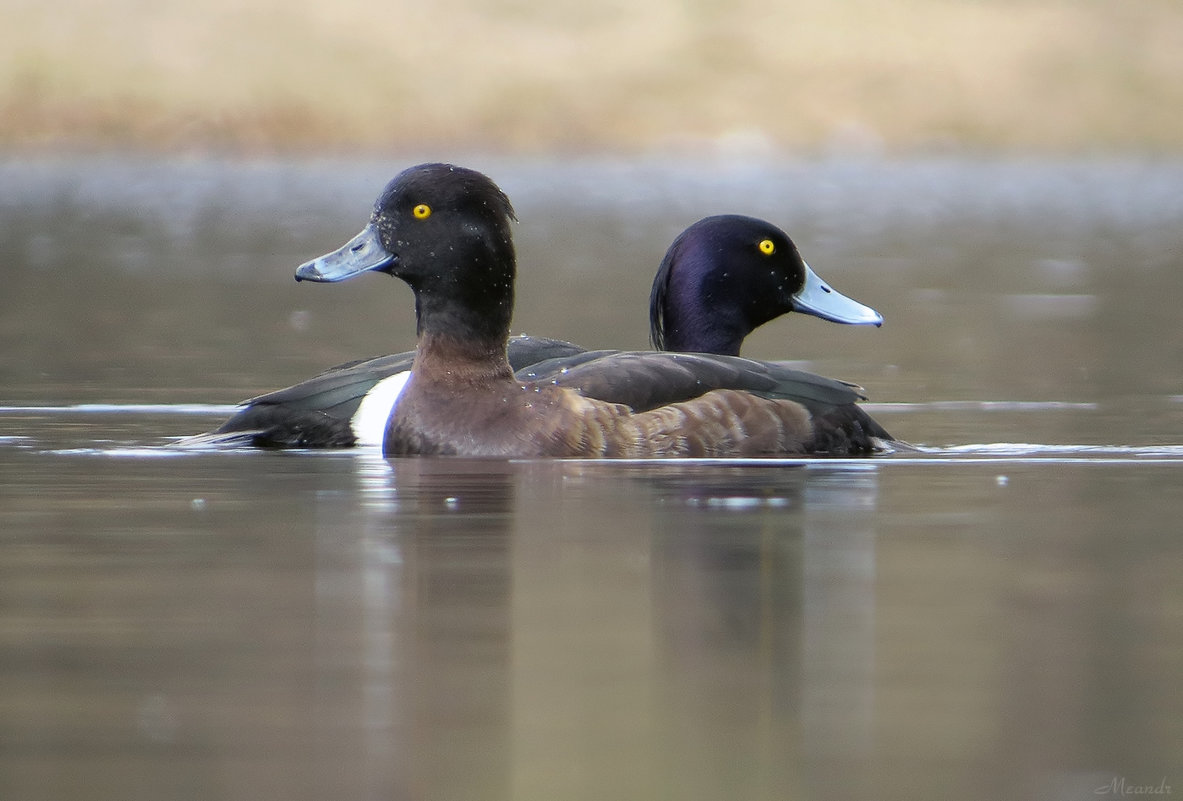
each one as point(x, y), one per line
point(726, 276)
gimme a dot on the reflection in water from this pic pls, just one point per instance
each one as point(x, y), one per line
point(839, 661)
point(528, 630)
point(413, 597)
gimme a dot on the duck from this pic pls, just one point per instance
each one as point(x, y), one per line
point(727, 275)
point(445, 231)
point(723, 277)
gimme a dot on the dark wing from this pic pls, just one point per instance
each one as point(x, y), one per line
point(647, 380)
point(317, 412)
point(525, 351)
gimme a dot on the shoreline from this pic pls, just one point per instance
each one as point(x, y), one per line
point(813, 77)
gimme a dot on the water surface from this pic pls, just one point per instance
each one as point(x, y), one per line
point(997, 614)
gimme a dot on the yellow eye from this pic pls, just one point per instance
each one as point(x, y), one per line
point(422, 211)
point(767, 247)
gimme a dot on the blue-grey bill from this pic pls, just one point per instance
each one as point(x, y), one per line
point(821, 300)
point(361, 254)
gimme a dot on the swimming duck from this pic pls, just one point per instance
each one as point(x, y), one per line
point(720, 279)
point(444, 230)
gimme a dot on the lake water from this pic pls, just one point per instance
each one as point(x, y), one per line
point(998, 614)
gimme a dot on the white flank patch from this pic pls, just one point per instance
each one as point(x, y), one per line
point(369, 421)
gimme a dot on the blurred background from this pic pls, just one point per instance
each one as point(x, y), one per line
point(511, 76)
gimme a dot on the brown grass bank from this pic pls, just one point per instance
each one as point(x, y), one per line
point(1058, 76)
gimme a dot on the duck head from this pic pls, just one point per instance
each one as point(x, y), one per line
point(444, 230)
point(725, 276)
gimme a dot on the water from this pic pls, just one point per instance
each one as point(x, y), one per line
point(997, 614)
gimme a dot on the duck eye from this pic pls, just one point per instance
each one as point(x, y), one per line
point(767, 247)
point(422, 211)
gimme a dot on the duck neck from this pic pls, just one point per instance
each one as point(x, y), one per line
point(693, 326)
point(443, 358)
point(467, 296)
point(480, 318)
point(685, 312)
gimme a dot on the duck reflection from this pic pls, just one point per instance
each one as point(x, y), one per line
point(766, 600)
point(414, 621)
point(552, 627)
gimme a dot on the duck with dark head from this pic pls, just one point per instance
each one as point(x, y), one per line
point(727, 275)
point(444, 230)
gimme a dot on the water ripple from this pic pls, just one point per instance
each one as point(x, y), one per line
point(980, 406)
point(124, 408)
point(902, 453)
